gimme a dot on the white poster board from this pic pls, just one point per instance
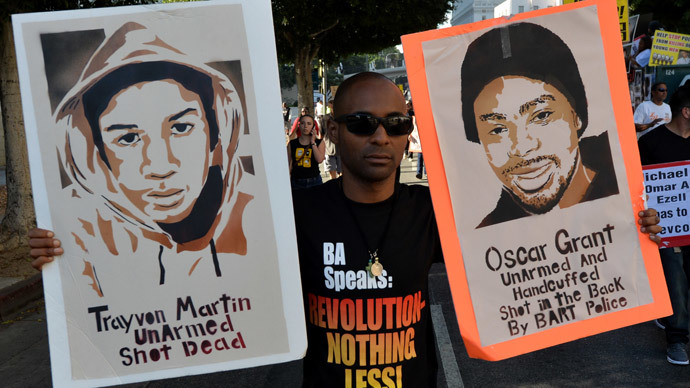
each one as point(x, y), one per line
point(668, 186)
point(150, 140)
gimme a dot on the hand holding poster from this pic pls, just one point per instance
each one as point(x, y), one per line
point(527, 126)
point(149, 156)
point(668, 186)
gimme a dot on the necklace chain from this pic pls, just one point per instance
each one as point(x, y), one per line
point(374, 267)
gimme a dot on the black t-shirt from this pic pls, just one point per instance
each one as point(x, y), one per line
point(660, 145)
point(365, 331)
point(303, 162)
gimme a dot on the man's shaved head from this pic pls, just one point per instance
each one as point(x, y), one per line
point(346, 87)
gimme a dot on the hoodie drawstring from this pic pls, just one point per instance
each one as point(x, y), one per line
point(160, 264)
point(216, 265)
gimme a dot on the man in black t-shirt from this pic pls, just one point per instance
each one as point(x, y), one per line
point(364, 277)
point(665, 144)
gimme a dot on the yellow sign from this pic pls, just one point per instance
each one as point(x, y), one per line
point(622, 17)
point(670, 48)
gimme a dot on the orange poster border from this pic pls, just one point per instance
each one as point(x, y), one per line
point(608, 19)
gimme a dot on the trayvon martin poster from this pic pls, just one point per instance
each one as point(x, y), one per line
point(149, 156)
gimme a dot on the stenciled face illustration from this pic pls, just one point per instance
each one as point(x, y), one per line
point(156, 138)
point(306, 124)
point(529, 132)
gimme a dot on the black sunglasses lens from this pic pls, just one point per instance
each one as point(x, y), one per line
point(396, 126)
point(367, 125)
point(361, 125)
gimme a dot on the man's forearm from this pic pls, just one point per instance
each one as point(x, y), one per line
point(643, 127)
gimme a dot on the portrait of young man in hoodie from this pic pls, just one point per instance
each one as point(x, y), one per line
point(150, 139)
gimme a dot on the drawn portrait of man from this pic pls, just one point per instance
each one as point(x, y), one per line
point(149, 140)
point(524, 101)
point(534, 144)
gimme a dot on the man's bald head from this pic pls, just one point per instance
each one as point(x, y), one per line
point(348, 85)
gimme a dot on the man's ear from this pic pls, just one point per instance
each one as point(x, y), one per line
point(685, 113)
point(576, 120)
point(332, 128)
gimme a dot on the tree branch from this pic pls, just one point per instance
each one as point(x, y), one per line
point(313, 35)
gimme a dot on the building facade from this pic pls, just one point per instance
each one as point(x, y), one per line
point(514, 7)
point(469, 11)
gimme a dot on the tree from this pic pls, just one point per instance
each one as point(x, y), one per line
point(19, 216)
point(286, 74)
point(673, 14)
point(333, 29)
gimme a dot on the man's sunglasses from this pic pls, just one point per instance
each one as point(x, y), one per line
point(661, 90)
point(366, 124)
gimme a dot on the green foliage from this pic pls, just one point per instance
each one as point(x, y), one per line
point(334, 79)
point(332, 76)
point(388, 57)
point(286, 73)
point(355, 63)
point(339, 28)
point(9, 7)
point(673, 14)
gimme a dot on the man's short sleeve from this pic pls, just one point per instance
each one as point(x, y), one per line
point(640, 116)
point(643, 58)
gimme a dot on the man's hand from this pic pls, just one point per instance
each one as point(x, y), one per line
point(649, 223)
point(43, 247)
point(644, 127)
point(655, 121)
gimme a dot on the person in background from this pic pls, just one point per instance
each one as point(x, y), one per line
point(332, 165)
point(286, 117)
point(651, 114)
point(641, 59)
point(666, 144)
point(295, 131)
point(304, 154)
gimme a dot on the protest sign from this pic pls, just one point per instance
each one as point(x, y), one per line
point(632, 28)
point(149, 155)
point(670, 48)
point(535, 173)
point(668, 186)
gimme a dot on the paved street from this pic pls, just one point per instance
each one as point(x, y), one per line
point(629, 357)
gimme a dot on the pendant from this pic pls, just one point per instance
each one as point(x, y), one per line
point(368, 269)
point(376, 268)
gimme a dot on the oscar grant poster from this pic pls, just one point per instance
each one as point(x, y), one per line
point(531, 176)
point(149, 156)
point(668, 186)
